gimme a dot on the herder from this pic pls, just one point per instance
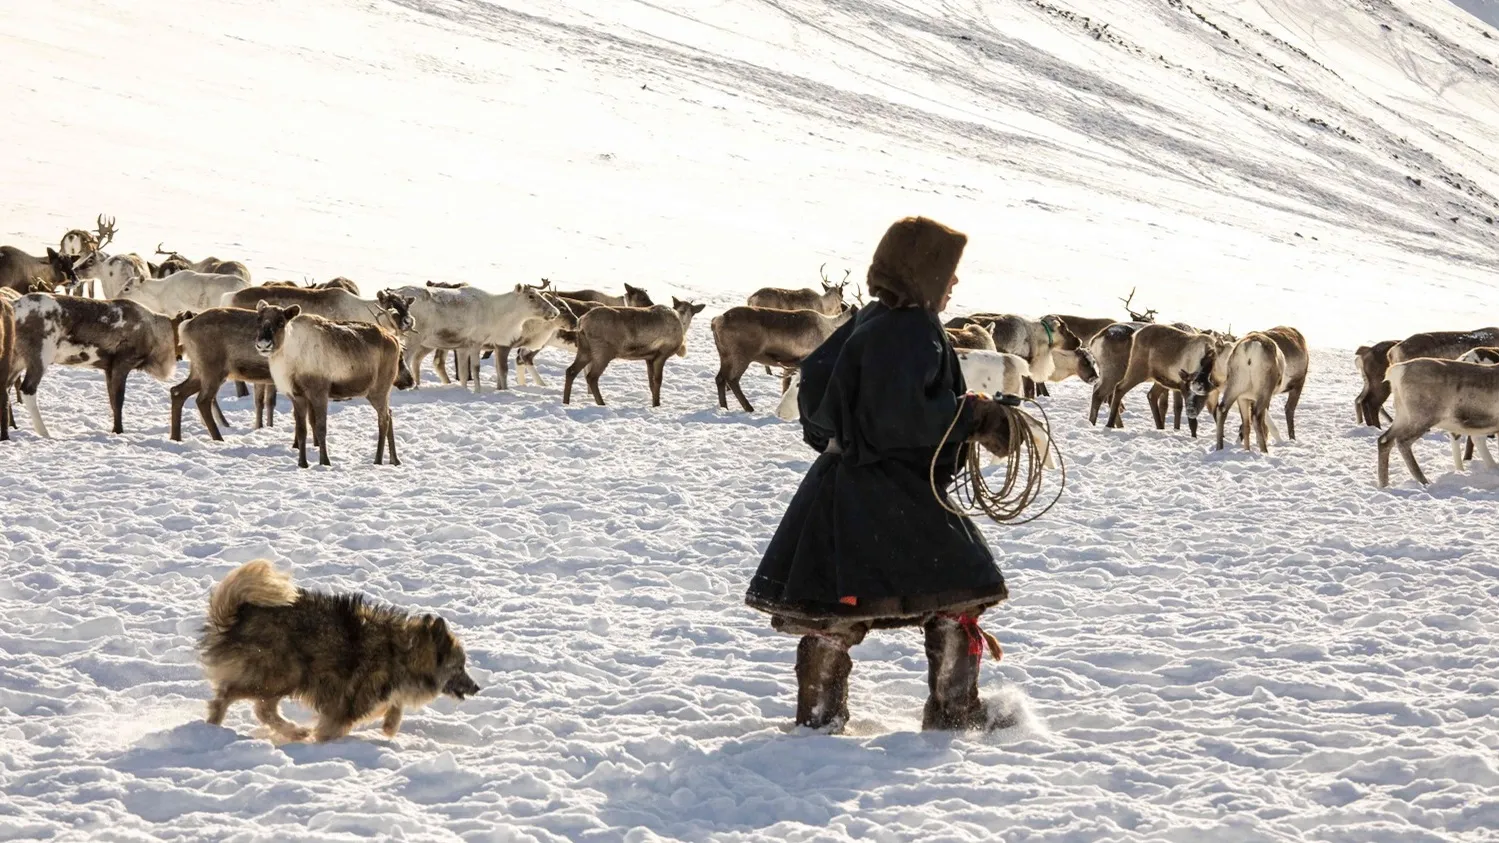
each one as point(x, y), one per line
point(865, 543)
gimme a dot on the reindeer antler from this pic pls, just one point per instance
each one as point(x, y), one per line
point(161, 251)
point(823, 274)
point(1147, 316)
point(846, 273)
point(106, 229)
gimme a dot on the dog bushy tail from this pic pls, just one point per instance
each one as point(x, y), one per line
point(255, 583)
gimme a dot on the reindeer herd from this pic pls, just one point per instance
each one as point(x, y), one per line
point(82, 306)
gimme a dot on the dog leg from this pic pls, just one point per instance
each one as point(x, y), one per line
point(392, 722)
point(268, 711)
point(217, 708)
point(331, 728)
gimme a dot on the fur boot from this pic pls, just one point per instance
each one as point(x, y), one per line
point(953, 651)
point(822, 668)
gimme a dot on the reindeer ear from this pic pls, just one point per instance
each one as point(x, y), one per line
point(294, 311)
point(698, 308)
point(519, 287)
point(409, 300)
point(1186, 376)
point(260, 305)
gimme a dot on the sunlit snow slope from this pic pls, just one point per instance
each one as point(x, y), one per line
point(1325, 163)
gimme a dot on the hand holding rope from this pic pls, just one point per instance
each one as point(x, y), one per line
point(1024, 464)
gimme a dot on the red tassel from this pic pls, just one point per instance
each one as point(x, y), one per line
point(849, 601)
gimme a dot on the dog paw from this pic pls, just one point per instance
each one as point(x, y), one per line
point(297, 734)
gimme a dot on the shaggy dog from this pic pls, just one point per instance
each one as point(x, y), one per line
point(347, 660)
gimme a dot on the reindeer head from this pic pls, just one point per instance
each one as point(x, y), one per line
point(685, 310)
point(535, 302)
point(62, 266)
point(829, 287)
point(636, 297)
point(78, 243)
point(1054, 328)
point(399, 308)
point(1087, 366)
point(404, 378)
point(270, 326)
point(1196, 385)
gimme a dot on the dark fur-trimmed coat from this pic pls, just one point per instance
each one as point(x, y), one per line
point(865, 537)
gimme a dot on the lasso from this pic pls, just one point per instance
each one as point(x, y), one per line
point(1023, 469)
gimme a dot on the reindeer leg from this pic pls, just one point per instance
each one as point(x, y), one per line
point(240, 390)
point(390, 435)
point(28, 397)
point(732, 381)
point(1156, 398)
point(1410, 461)
point(1261, 423)
point(319, 407)
point(501, 367)
point(656, 371)
point(1457, 451)
point(1481, 444)
point(1293, 397)
point(114, 381)
point(595, 370)
point(218, 412)
point(570, 375)
point(180, 393)
point(299, 435)
point(6, 421)
point(1385, 443)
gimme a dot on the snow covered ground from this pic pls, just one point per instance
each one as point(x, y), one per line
point(1213, 646)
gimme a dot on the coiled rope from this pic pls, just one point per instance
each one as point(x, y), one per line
point(1024, 466)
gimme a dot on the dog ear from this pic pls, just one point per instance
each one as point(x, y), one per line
point(442, 640)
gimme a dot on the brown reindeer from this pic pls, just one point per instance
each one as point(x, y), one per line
point(219, 344)
point(1174, 359)
point(1442, 345)
point(315, 360)
point(1372, 361)
point(117, 336)
point(1459, 397)
point(633, 297)
point(22, 272)
point(7, 351)
point(1080, 329)
point(1111, 349)
point(829, 302)
point(652, 334)
point(212, 265)
point(746, 335)
point(978, 336)
point(1255, 371)
point(1297, 359)
point(340, 283)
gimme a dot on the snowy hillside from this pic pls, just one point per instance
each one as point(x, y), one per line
point(1177, 147)
point(1199, 645)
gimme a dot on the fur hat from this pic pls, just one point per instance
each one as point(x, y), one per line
point(914, 261)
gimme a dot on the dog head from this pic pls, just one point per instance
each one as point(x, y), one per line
point(452, 673)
